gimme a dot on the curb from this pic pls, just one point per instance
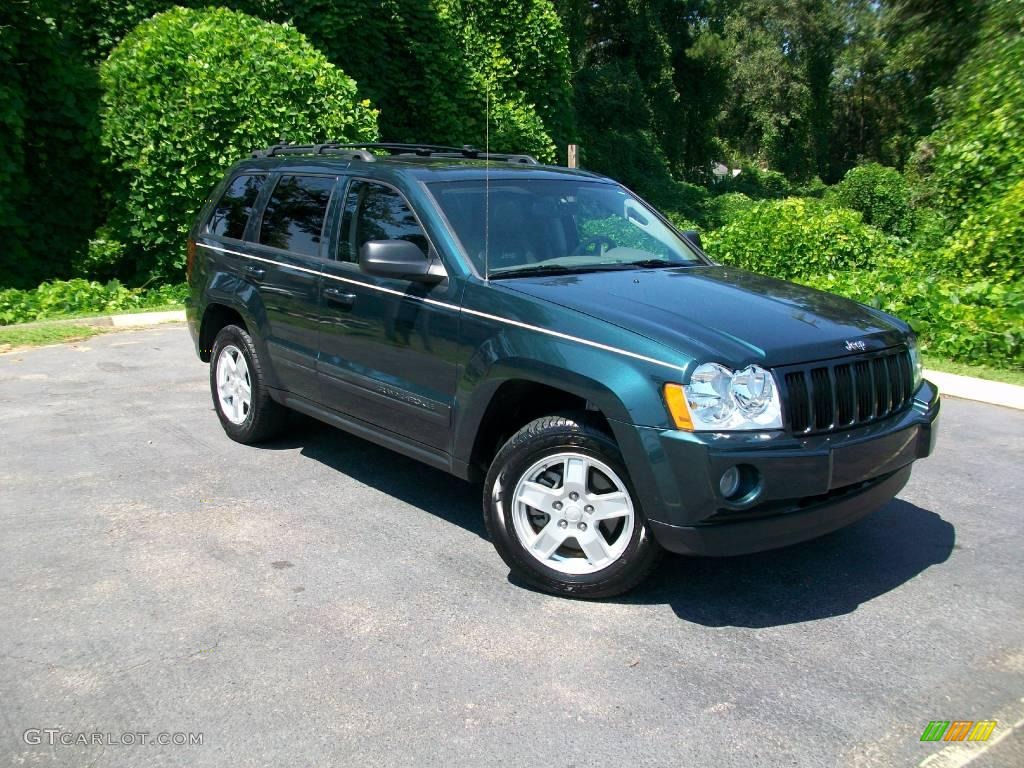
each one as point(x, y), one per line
point(146, 318)
point(980, 390)
point(135, 320)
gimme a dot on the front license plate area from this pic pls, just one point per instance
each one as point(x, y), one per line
point(857, 463)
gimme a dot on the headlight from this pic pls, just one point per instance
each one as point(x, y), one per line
point(917, 368)
point(718, 399)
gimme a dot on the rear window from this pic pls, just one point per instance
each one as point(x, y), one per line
point(294, 217)
point(232, 213)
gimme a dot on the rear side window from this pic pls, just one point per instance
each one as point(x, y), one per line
point(375, 212)
point(232, 213)
point(295, 214)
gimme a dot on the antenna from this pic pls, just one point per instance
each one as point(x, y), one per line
point(487, 182)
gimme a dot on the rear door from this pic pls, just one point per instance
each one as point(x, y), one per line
point(388, 347)
point(285, 270)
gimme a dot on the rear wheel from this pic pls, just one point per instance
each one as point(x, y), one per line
point(240, 393)
point(562, 513)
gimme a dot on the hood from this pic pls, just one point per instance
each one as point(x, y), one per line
point(722, 314)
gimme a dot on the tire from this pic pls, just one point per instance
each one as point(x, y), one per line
point(244, 406)
point(554, 548)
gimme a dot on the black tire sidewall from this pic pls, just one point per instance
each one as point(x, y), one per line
point(255, 426)
point(561, 435)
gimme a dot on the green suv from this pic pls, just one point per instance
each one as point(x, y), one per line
point(547, 332)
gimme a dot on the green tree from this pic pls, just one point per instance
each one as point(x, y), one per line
point(779, 104)
point(429, 65)
point(976, 155)
point(189, 92)
point(49, 170)
point(925, 42)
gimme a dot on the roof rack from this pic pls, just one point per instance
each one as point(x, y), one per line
point(361, 151)
point(275, 150)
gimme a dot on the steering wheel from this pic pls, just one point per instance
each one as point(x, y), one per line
point(592, 245)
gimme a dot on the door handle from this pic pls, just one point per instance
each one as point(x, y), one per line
point(256, 273)
point(339, 298)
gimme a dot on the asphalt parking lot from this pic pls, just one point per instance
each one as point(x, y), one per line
point(322, 601)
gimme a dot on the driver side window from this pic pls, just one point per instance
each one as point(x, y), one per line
point(376, 212)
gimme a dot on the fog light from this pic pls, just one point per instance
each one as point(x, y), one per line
point(730, 482)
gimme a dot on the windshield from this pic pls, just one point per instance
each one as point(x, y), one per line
point(557, 225)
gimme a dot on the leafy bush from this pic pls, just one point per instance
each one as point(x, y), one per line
point(880, 194)
point(813, 188)
point(78, 296)
point(682, 222)
point(189, 92)
point(979, 323)
point(102, 258)
point(798, 238)
point(722, 209)
point(990, 242)
point(406, 59)
point(756, 183)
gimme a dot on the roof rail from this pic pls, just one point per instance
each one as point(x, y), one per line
point(314, 149)
point(363, 151)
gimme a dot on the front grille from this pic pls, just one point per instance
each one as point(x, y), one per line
point(846, 392)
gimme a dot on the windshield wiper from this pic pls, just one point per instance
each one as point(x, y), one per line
point(547, 269)
point(651, 263)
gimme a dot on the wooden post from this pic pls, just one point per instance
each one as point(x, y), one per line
point(574, 156)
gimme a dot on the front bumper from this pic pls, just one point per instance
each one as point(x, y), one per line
point(799, 487)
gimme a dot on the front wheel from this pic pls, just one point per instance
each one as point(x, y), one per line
point(562, 514)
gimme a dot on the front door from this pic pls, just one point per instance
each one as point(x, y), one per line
point(387, 356)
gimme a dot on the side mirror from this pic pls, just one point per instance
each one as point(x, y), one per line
point(398, 258)
point(693, 238)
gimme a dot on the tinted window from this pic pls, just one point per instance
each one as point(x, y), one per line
point(376, 212)
point(346, 242)
point(294, 216)
point(232, 212)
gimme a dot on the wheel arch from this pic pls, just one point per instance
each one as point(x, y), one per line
point(217, 315)
point(518, 394)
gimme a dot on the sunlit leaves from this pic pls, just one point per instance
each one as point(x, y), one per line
point(186, 94)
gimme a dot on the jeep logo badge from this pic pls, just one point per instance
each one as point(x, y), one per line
point(856, 346)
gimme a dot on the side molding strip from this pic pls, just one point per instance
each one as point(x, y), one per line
point(452, 307)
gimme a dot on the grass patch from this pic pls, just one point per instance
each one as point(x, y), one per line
point(35, 336)
point(1006, 375)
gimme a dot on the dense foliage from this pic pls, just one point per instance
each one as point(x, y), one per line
point(977, 154)
point(798, 238)
point(871, 148)
point(430, 65)
point(990, 242)
point(189, 92)
point(980, 322)
point(80, 297)
point(48, 125)
point(880, 194)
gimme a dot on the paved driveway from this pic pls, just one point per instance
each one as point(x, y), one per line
point(321, 601)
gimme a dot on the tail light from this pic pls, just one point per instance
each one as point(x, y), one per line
point(190, 258)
